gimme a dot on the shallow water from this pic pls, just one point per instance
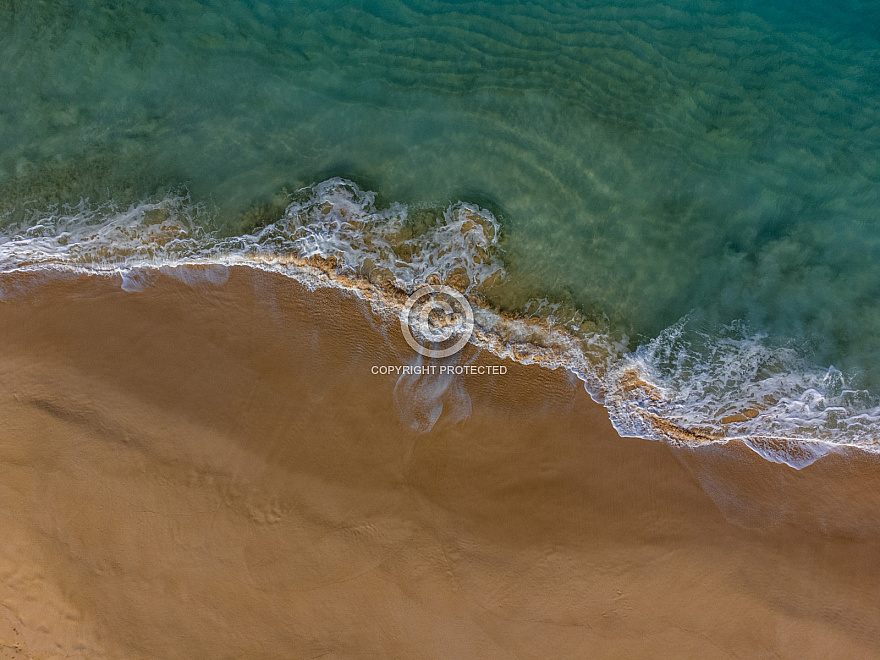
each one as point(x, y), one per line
point(647, 162)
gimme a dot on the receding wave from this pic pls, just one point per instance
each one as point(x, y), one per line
point(685, 386)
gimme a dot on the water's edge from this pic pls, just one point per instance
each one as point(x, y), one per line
point(682, 387)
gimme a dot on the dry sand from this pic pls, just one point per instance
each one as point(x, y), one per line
point(213, 472)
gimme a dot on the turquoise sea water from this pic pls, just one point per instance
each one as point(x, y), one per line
point(648, 162)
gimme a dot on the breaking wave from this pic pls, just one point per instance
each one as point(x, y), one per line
point(684, 386)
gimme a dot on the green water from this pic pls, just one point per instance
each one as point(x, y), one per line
point(647, 160)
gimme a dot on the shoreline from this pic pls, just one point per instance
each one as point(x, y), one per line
point(681, 386)
point(211, 470)
point(525, 340)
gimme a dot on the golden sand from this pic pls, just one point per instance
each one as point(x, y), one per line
point(215, 473)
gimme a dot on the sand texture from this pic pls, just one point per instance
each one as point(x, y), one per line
point(213, 472)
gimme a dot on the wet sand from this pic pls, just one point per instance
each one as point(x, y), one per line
point(214, 472)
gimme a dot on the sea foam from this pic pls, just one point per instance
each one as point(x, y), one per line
point(684, 386)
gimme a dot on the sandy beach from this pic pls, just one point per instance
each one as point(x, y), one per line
point(213, 471)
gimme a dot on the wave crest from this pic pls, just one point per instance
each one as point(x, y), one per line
point(684, 386)
point(333, 220)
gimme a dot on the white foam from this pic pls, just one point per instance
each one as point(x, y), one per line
point(716, 387)
point(331, 219)
point(733, 385)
